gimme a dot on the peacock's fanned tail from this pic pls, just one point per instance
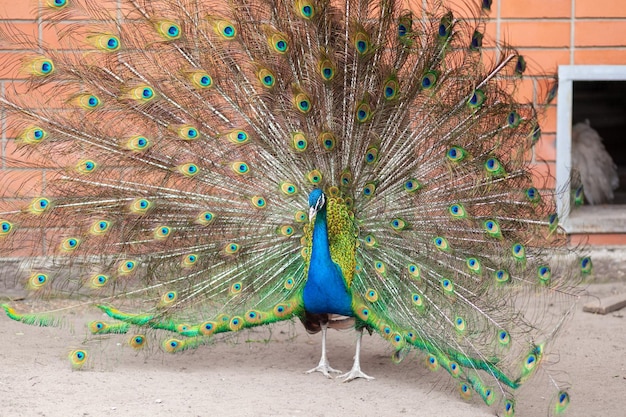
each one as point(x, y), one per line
point(181, 139)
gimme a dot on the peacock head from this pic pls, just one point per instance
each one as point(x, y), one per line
point(317, 200)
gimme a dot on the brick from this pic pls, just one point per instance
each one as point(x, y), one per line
point(535, 8)
point(593, 8)
point(20, 183)
point(50, 37)
point(490, 31)
point(14, 125)
point(543, 86)
point(544, 61)
point(5, 208)
point(28, 9)
point(20, 33)
point(537, 34)
point(543, 175)
point(18, 157)
point(26, 242)
point(11, 68)
point(51, 188)
point(106, 10)
point(600, 33)
point(547, 120)
point(21, 36)
point(545, 148)
point(600, 56)
point(23, 9)
point(599, 239)
point(525, 90)
point(46, 96)
point(460, 9)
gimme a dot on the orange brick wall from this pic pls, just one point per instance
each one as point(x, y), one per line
point(546, 32)
point(16, 182)
point(16, 179)
point(562, 32)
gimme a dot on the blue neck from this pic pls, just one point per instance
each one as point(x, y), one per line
point(321, 248)
point(325, 290)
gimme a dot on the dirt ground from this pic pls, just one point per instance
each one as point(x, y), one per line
point(249, 376)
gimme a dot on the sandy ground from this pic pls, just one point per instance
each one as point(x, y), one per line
point(249, 376)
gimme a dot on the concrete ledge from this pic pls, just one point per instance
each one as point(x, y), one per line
point(597, 219)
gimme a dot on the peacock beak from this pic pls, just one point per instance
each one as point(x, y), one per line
point(312, 212)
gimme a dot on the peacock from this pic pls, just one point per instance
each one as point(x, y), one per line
point(211, 166)
point(595, 172)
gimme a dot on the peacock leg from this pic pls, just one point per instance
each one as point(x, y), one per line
point(324, 366)
point(356, 372)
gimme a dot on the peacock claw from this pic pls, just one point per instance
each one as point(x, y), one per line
point(354, 374)
point(325, 369)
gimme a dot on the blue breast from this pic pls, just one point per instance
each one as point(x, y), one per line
point(325, 290)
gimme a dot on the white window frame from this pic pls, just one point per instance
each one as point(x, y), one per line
point(567, 75)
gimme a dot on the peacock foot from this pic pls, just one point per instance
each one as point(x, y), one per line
point(355, 373)
point(325, 368)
